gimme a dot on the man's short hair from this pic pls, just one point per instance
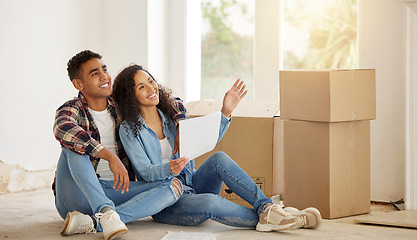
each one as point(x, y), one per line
point(74, 64)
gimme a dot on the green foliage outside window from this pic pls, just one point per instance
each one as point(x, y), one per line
point(225, 54)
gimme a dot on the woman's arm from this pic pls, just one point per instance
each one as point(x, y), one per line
point(230, 101)
point(142, 164)
point(233, 97)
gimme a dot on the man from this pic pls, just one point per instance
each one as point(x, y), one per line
point(93, 166)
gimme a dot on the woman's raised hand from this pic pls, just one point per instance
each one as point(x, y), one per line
point(232, 97)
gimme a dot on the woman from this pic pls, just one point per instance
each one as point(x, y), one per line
point(148, 135)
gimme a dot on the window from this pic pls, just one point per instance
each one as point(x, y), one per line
point(227, 46)
point(253, 40)
point(319, 34)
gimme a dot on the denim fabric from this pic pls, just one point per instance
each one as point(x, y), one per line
point(78, 188)
point(145, 152)
point(201, 201)
point(195, 208)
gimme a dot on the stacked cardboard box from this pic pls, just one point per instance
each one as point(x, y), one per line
point(252, 141)
point(327, 139)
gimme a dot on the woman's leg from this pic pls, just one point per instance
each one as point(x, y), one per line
point(194, 209)
point(221, 168)
point(77, 186)
point(143, 199)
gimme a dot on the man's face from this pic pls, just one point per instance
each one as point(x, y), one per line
point(95, 80)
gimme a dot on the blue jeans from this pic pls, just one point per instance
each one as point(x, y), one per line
point(193, 208)
point(78, 188)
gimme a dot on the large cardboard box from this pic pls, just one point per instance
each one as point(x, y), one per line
point(327, 166)
point(328, 95)
point(252, 141)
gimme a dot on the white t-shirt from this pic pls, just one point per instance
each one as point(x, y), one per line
point(166, 150)
point(105, 125)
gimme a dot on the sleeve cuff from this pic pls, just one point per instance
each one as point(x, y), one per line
point(93, 147)
point(229, 119)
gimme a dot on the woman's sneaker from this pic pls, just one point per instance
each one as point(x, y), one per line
point(311, 217)
point(112, 225)
point(274, 218)
point(76, 222)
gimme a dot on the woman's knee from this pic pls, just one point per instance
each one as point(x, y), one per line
point(221, 159)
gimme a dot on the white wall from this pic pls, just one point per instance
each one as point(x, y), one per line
point(159, 36)
point(37, 40)
point(123, 35)
point(381, 45)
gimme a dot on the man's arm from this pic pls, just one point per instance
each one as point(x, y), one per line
point(121, 176)
point(72, 136)
point(180, 114)
point(180, 110)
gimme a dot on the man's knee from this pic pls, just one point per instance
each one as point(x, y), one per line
point(176, 187)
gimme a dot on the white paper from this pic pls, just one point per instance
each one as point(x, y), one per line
point(199, 135)
point(190, 235)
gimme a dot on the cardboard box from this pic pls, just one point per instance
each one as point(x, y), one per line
point(251, 141)
point(327, 166)
point(328, 95)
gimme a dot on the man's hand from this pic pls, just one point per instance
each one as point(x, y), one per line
point(121, 176)
point(232, 97)
point(177, 165)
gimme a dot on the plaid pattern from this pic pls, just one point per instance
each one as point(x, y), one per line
point(76, 129)
point(181, 111)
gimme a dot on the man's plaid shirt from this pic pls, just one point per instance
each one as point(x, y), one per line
point(76, 129)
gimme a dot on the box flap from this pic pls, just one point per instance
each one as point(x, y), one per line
point(244, 109)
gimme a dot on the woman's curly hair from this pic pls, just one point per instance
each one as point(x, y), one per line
point(124, 95)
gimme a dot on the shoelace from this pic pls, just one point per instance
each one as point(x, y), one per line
point(278, 209)
point(86, 228)
point(110, 217)
point(303, 220)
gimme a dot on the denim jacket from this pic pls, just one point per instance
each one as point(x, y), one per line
point(145, 151)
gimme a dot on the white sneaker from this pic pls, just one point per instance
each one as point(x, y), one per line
point(274, 218)
point(76, 222)
point(311, 217)
point(112, 225)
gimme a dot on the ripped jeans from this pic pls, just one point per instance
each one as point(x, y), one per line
point(78, 188)
point(194, 208)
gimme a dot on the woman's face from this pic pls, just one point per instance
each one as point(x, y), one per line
point(146, 89)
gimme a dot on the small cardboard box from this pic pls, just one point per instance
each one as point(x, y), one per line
point(328, 95)
point(327, 166)
point(251, 141)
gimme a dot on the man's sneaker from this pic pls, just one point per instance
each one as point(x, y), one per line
point(76, 222)
point(274, 218)
point(111, 224)
point(311, 217)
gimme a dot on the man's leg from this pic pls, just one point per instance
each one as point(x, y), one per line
point(79, 197)
point(143, 199)
point(77, 186)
